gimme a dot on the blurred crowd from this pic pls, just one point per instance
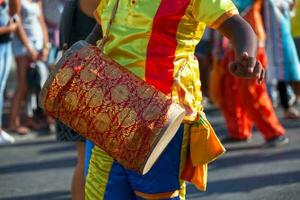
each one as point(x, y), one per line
point(31, 37)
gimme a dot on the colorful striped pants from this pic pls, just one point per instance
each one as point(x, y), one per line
point(106, 179)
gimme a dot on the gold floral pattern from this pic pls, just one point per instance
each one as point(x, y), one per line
point(110, 106)
point(71, 101)
point(102, 122)
point(145, 92)
point(127, 117)
point(119, 93)
point(87, 76)
point(81, 124)
point(94, 97)
point(151, 112)
point(64, 76)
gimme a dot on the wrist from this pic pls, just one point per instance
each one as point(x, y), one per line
point(29, 48)
point(260, 43)
point(9, 29)
point(47, 45)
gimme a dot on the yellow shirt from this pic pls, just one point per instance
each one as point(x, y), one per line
point(156, 41)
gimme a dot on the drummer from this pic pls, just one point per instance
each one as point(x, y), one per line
point(156, 40)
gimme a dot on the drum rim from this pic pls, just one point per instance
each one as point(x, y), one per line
point(52, 75)
point(175, 117)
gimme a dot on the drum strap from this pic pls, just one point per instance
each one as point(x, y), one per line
point(112, 17)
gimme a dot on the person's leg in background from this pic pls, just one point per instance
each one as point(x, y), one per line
point(19, 96)
point(289, 112)
point(66, 134)
point(203, 54)
point(258, 105)
point(239, 126)
point(78, 175)
point(5, 64)
point(296, 85)
point(296, 88)
point(39, 120)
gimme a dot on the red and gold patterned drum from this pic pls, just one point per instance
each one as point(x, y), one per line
point(122, 114)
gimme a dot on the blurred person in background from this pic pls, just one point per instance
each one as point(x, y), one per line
point(52, 10)
point(219, 45)
point(8, 26)
point(52, 13)
point(29, 45)
point(246, 102)
point(203, 52)
point(77, 21)
point(283, 61)
point(296, 34)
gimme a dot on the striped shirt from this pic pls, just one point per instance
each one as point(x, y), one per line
point(156, 41)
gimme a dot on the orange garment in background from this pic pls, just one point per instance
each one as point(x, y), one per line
point(245, 102)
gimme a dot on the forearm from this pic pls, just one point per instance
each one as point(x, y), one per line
point(23, 36)
point(14, 7)
point(240, 34)
point(95, 35)
point(4, 30)
point(43, 25)
point(45, 32)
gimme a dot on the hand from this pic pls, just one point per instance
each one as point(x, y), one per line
point(12, 26)
point(33, 54)
point(44, 54)
point(65, 47)
point(247, 67)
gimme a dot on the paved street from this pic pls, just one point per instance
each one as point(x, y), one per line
point(39, 168)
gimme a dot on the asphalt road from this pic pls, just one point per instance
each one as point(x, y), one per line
point(36, 167)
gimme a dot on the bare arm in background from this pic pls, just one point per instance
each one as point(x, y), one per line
point(14, 7)
point(10, 28)
point(45, 50)
point(15, 10)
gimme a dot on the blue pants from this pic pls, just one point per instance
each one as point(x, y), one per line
point(107, 179)
point(5, 64)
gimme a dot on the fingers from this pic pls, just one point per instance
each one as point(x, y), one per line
point(233, 68)
point(248, 62)
point(258, 72)
point(33, 55)
point(262, 76)
point(65, 47)
point(239, 70)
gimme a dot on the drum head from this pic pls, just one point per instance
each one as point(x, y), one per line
point(175, 116)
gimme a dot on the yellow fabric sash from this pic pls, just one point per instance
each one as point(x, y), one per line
point(205, 147)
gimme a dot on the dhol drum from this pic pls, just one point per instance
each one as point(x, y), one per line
point(129, 119)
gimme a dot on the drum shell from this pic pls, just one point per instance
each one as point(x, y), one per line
point(105, 103)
